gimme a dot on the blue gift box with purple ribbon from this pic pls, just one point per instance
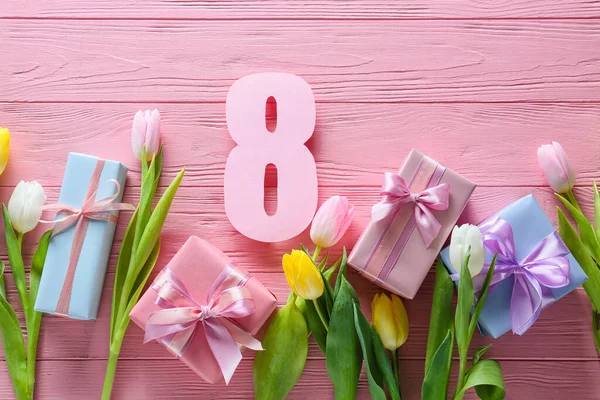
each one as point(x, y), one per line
point(534, 268)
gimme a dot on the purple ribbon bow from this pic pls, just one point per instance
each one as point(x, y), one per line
point(180, 315)
point(544, 268)
point(395, 191)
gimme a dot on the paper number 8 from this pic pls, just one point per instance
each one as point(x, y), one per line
point(257, 147)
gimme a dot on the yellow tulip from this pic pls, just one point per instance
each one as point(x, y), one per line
point(302, 275)
point(4, 148)
point(390, 320)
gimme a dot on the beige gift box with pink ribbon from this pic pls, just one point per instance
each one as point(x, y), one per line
point(420, 205)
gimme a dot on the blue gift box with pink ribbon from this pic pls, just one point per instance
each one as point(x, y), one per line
point(83, 232)
point(534, 268)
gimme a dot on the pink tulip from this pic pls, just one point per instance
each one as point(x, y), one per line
point(331, 221)
point(556, 166)
point(146, 132)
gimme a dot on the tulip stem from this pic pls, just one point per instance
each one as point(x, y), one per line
point(572, 199)
point(395, 366)
point(20, 240)
point(316, 253)
point(321, 316)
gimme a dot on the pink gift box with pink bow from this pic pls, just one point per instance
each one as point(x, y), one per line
point(205, 310)
point(419, 207)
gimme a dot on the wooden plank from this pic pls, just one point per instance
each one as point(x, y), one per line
point(201, 212)
point(148, 379)
point(491, 144)
point(300, 9)
point(415, 61)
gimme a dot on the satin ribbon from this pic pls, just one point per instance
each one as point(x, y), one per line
point(545, 268)
point(177, 321)
point(90, 209)
point(395, 191)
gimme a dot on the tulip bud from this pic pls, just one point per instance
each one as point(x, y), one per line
point(331, 221)
point(302, 275)
point(4, 148)
point(390, 320)
point(145, 131)
point(25, 206)
point(464, 237)
point(556, 166)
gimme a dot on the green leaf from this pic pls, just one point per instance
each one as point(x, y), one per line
point(327, 296)
point(586, 230)
point(123, 263)
point(331, 270)
point(144, 208)
point(373, 372)
point(574, 243)
point(142, 278)
point(384, 365)
point(144, 163)
point(14, 349)
point(323, 263)
point(479, 353)
point(463, 308)
point(341, 273)
point(16, 262)
point(157, 169)
point(155, 224)
point(482, 298)
point(343, 352)
point(435, 383)
point(596, 329)
point(278, 367)
point(2, 282)
point(442, 314)
point(122, 323)
point(35, 319)
point(37, 265)
point(147, 244)
point(304, 249)
point(596, 210)
point(486, 378)
point(315, 325)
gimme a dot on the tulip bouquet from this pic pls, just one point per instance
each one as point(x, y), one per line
point(485, 376)
point(584, 246)
point(141, 244)
point(332, 315)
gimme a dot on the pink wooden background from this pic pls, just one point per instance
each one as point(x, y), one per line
point(478, 85)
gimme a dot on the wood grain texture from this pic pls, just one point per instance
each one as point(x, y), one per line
point(300, 9)
point(478, 85)
point(476, 140)
point(201, 212)
point(145, 379)
point(343, 61)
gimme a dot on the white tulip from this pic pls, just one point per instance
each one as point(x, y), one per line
point(25, 206)
point(463, 237)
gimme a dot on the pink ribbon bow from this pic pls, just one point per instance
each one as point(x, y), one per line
point(90, 209)
point(178, 320)
point(395, 191)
